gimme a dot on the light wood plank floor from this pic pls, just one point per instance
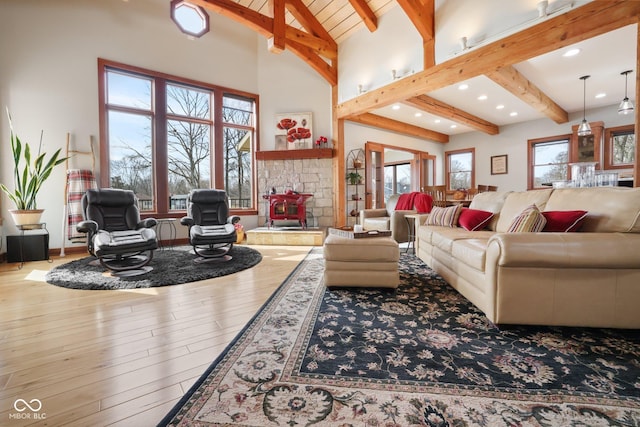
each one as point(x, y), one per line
point(102, 358)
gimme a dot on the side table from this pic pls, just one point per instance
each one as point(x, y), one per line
point(171, 224)
point(29, 248)
point(411, 226)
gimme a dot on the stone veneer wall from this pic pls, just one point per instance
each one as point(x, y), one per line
point(305, 176)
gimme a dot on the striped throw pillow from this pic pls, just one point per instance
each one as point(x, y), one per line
point(445, 217)
point(530, 220)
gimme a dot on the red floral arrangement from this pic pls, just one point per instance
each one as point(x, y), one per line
point(322, 140)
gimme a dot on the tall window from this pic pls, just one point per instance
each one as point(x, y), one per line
point(460, 169)
point(619, 147)
point(548, 160)
point(165, 136)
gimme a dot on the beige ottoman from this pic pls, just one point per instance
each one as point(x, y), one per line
point(366, 262)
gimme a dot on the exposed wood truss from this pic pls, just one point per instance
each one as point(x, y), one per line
point(511, 79)
point(433, 106)
point(590, 20)
point(397, 126)
point(422, 15)
point(316, 47)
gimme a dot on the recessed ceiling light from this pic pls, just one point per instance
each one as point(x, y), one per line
point(463, 86)
point(436, 121)
point(482, 97)
point(600, 95)
point(571, 52)
point(418, 114)
point(513, 113)
point(396, 107)
point(499, 107)
point(454, 126)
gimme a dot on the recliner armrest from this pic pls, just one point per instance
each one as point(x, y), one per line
point(146, 223)
point(233, 219)
point(87, 226)
point(186, 220)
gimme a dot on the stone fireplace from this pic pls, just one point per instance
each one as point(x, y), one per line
point(307, 173)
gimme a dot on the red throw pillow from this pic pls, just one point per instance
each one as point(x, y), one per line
point(474, 219)
point(564, 221)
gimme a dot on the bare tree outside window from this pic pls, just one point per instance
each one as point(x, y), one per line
point(550, 162)
point(135, 140)
point(624, 149)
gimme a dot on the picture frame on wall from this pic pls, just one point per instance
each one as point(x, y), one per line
point(499, 165)
point(296, 128)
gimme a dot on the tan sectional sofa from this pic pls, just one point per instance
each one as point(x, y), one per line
point(586, 278)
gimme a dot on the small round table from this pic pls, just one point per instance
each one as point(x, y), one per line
point(171, 224)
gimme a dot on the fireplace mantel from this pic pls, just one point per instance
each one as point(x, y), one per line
point(311, 153)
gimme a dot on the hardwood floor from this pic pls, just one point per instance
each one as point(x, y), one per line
point(101, 358)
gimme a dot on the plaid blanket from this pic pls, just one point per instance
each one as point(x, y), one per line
point(78, 182)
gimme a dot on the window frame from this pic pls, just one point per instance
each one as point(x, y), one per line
point(159, 133)
point(531, 143)
point(609, 133)
point(447, 162)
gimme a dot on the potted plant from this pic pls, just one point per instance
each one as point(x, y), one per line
point(28, 176)
point(354, 177)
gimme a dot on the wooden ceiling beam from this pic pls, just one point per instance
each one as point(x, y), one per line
point(422, 14)
point(326, 70)
point(399, 127)
point(307, 47)
point(277, 42)
point(582, 23)
point(513, 81)
point(364, 11)
point(258, 22)
point(308, 21)
point(439, 108)
point(321, 46)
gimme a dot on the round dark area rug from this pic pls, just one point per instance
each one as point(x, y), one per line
point(170, 267)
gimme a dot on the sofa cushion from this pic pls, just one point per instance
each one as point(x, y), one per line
point(471, 252)
point(611, 209)
point(491, 201)
point(517, 202)
point(445, 217)
point(530, 220)
point(474, 219)
point(564, 221)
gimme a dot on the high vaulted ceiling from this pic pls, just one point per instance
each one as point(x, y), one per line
point(513, 57)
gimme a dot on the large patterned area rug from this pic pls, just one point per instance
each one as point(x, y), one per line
point(422, 355)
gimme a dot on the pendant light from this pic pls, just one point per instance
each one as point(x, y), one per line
point(626, 106)
point(584, 128)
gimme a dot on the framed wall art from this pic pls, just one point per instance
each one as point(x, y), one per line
point(499, 165)
point(296, 128)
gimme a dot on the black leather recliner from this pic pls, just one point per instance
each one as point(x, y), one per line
point(115, 234)
point(211, 230)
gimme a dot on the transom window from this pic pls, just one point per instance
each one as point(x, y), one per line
point(548, 160)
point(460, 169)
point(162, 138)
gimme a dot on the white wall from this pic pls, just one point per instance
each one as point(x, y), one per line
point(288, 85)
point(48, 78)
point(367, 58)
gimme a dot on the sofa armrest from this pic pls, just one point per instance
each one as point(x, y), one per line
point(571, 250)
point(399, 225)
point(373, 213)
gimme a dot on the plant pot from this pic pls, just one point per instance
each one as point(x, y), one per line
point(357, 164)
point(24, 217)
